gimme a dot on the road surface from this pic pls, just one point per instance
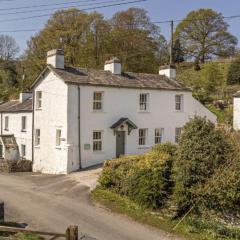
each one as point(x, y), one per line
point(51, 203)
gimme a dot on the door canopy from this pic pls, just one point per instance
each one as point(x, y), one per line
point(122, 123)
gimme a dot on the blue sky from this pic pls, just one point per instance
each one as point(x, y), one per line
point(159, 10)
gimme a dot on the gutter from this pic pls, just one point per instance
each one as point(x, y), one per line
point(33, 114)
point(79, 130)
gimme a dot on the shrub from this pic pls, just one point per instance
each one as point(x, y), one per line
point(146, 179)
point(201, 150)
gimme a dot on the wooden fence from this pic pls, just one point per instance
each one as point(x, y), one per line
point(70, 234)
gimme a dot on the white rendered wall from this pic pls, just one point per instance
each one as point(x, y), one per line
point(236, 113)
point(122, 102)
point(47, 157)
point(115, 68)
point(15, 128)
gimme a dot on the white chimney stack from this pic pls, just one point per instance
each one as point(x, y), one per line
point(24, 96)
point(169, 71)
point(114, 66)
point(55, 58)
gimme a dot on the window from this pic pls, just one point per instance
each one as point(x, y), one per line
point(37, 137)
point(142, 137)
point(179, 102)
point(58, 137)
point(97, 100)
point(23, 150)
point(6, 123)
point(38, 100)
point(143, 101)
point(178, 132)
point(1, 151)
point(97, 141)
point(24, 123)
point(159, 135)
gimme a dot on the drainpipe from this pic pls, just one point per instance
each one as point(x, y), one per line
point(79, 130)
point(33, 115)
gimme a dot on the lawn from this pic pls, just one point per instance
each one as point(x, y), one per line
point(190, 228)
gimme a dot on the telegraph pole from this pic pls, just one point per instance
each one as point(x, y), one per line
point(171, 44)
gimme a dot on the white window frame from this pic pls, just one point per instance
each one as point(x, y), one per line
point(179, 102)
point(144, 102)
point(38, 100)
point(6, 123)
point(37, 139)
point(58, 137)
point(23, 150)
point(97, 102)
point(97, 141)
point(178, 132)
point(24, 123)
point(142, 136)
point(159, 135)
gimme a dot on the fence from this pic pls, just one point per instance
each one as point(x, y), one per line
point(70, 234)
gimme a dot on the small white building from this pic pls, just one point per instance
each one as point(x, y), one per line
point(82, 117)
point(16, 128)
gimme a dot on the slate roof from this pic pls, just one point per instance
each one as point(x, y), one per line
point(105, 78)
point(122, 121)
point(237, 94)
point(16, 106)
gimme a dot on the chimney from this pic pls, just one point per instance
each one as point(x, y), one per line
point(114, 66)
point(55, 58)
point(24, 96)
point(169, 71)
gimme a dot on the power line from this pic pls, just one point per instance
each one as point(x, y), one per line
point(84, 9)
point(49, 9)
point(45, 5)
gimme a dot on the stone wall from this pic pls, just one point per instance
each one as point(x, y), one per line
point(15, 166)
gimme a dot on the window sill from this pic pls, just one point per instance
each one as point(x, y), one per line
point(178, 111)
point(147, 111)
point(144, 147)
point(6, 130)
point(38, 146)
point(24, 131)
point(58, 147)
point(38, 109)
point(99, 152)
point(98, 111)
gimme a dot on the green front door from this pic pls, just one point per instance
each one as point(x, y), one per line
point(120, 143)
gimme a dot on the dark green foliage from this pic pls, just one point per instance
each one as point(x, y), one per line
point(233, 76)
point(178, 54)
point(145, 179)
point(202, 149)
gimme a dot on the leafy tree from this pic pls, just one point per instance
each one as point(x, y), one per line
point(201, 150)
point(178, 54)
point(204, 34)
point(233, 76)
point(8, 48)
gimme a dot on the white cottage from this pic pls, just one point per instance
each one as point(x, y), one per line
point(82, 117)
point(16, 128)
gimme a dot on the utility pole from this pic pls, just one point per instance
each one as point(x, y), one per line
point(23, 79)
point(171, 44)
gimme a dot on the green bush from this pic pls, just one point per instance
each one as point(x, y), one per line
point(202, 149)
point(146, 179)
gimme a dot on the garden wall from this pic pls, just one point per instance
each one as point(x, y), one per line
point(8, 166)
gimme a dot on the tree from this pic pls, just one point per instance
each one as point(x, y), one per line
point(204, 34)
point(233, 76)
point(178, 54)
point(8, 47)
point(202, 149)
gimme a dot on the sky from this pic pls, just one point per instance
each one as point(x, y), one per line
point(158, 10)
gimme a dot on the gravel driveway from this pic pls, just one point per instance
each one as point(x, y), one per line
point(53, 202)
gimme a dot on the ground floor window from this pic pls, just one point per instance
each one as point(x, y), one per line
point(159, 135)
point(97, 140)
point(23, 150)
point(178, 132)
point(142, 140)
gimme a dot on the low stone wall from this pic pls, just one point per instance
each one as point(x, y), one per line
point(8, 166)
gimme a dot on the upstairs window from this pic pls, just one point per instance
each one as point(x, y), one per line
point(159, 135)
point(6, 125)
point(97, 141)
point(97, 101)
point(37, 137)
point(24, 123)
point(144, 101)
point(142, 140)
point(38, 99)
point(58, 137)
point(178, 132)
point(178, 102)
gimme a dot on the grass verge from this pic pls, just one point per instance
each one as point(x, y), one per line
point(190, 228)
